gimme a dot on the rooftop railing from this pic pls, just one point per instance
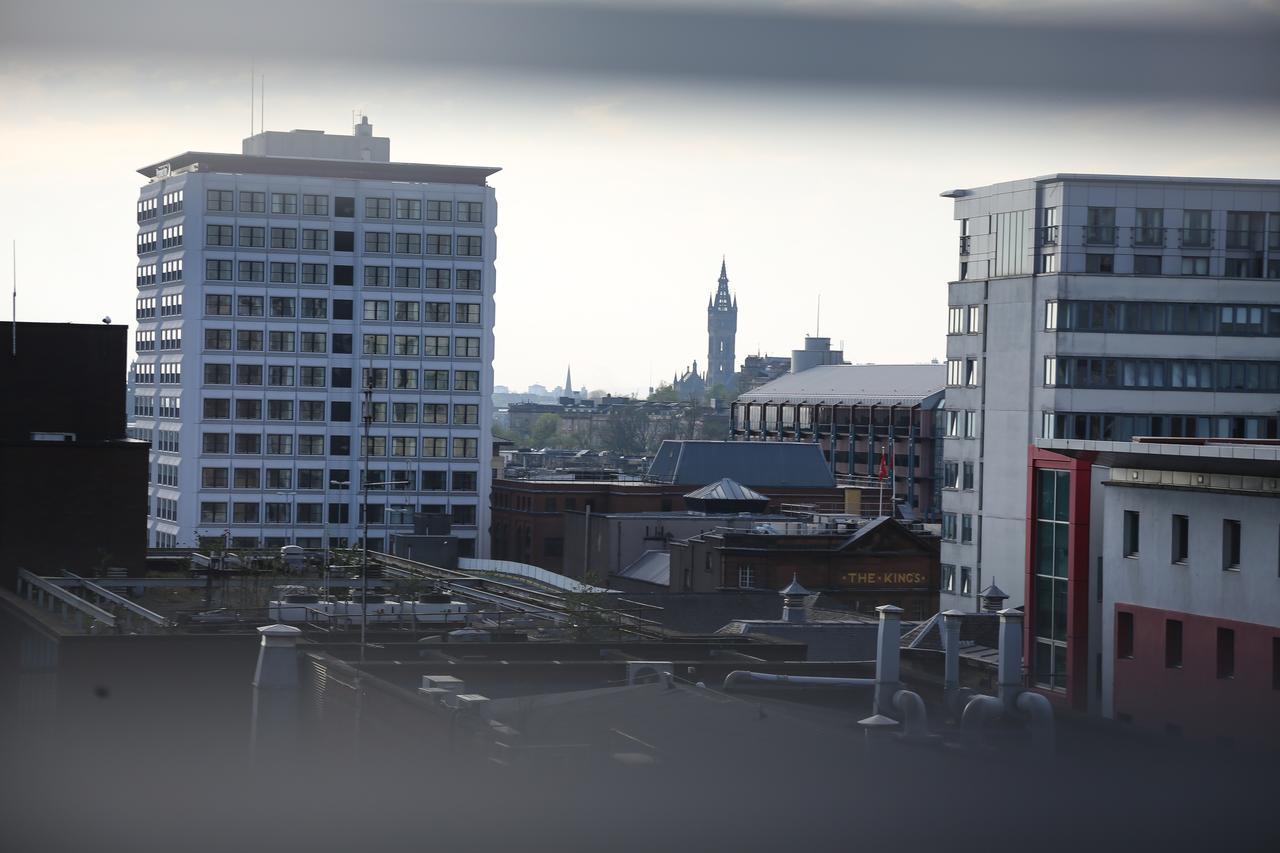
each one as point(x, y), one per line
point(70, 606)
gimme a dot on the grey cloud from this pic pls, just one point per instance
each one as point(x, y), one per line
point(958, 54)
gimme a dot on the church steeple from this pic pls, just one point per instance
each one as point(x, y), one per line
point(722, 329)
point(722, 298)
point(568, 381)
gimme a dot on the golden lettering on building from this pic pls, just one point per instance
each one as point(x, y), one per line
point(884, 579)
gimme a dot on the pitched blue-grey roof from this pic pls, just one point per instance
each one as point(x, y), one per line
point(759, 464)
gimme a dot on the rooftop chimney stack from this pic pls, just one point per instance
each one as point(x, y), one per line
point(951, 620)
point(1009, 662)
point(363, 128)
point(888, 651)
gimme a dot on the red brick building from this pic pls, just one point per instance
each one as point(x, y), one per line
point(528, 523)
point(879, 562)
point(527, 515)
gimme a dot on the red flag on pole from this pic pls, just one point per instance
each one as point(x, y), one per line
point(884, 464)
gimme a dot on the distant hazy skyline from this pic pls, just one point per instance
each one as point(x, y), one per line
point(618, 194)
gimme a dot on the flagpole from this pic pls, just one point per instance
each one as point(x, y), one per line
point(880, 490)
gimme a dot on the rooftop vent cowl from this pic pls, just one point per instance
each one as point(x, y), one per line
point(793, 596)
point(993, 598)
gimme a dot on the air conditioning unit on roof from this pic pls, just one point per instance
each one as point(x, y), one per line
point(647, 671)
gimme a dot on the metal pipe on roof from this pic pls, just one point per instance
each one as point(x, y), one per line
point(915, 718)
point(1040, 720)
point(741, 676)
point(975, 715)
point(1013, 702)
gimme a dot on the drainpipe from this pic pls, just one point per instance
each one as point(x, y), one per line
point(888, 642)
point(586, 543)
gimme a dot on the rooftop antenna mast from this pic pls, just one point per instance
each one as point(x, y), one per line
point(262, 103)
point(253, 78)
point(818, 323)
point(13, 337)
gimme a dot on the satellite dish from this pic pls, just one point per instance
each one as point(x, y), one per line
point(106, 320)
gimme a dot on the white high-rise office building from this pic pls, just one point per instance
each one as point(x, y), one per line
point(1094, 307)
point(277, 284)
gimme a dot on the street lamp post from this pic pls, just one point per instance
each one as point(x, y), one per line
point(334, 484)
point(364, 511)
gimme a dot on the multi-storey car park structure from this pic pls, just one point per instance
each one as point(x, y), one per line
point(278, 287)
point(1095, 307)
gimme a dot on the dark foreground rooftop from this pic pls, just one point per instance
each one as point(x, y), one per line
point(161, 742)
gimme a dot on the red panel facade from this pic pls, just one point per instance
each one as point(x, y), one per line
point(1192, 698)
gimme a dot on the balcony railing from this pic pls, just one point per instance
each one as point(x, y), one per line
point(1196, 238)
point(1148, 236)
point(1100, 235)
point(1248, 240)
point(1048, 235)
point(964, 244)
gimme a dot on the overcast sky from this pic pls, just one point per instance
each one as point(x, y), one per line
point(805, 144)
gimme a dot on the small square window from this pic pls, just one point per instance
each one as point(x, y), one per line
point(1173, 643)
point(1146, 264)
point(1099, 263)
point(1131, 533)
point(1124, 634)
point(1230, 545)
point(1226, 653)
point(1179, 547)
